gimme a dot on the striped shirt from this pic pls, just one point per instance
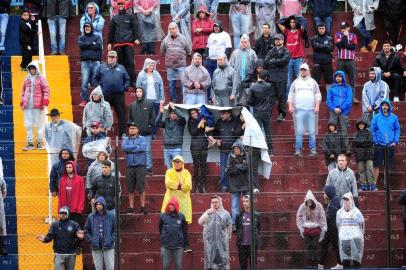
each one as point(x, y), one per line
point(344, 52)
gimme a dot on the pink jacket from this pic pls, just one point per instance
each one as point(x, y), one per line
point(41, 93)
point(199, 40)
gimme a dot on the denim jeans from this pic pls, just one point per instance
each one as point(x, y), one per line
point(173, 75)
point(240, 24)
point(169, 154)
point(167, 254)
point(192, 99)
point(87, 70)
point(366, 34)
point(57, 24)
point(148, 152)
point(223, 164)
point(327, 20)
point(235, 204)
point(305, 122)
point(3, 30)
point(293, 71)
point(103, 257)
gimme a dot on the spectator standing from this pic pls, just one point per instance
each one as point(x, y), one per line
point(35, 95)
point(173, 126)
point(57, 13)
point(91, 48)
point(114, 81)
point(265, 42)
point(66, 235)
point(100, 231)
point(391, 68)
point(58, 170)
point(240, 20)
point(92, 16)
point(95, 170)
point(339, 103)
point(362, 145)
point(351, 229)
point(333, 145)
point(123, 35)
point(265, 15)
point(4, 14)
point(287, 8)
point(374, 92)
point(261, 96)
point(343, 178)
point(364, 21)
point(197, 127)
point(149, 24)
point(195, 81)
point(178, 183)
point(304, 103)
point(312, 225)
point(322, 12)
point(141, 113)
point(224, 83)
point(28, 31)
point(173, 232)
point(244, 232)
point(216, 222)
point(219, 43)
point(332, 205)
point(276, 62)
point(393, 12)
point(72, 192)
point(175, 48)
point(346, 43)
point(385, 130)
point(180, 12)
point(323, 47)
point(210, 5)
point(202, 27)
point(135, 147)
point(97, 140)
point(114, 6)
point(3, 224)
point(293, 33)
point(97, 110)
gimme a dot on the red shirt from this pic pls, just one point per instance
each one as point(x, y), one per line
point(294, 43)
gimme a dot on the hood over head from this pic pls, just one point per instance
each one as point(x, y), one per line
point(361, 120)
point(259, 63)
point(102, 201)
point(91, 27)
point(35, 64)
point(204, 10)
point(96, 7)
point(147, 62)
point(174, 201)
point(73, 165)
point(332, 123)
point(219, 24)
point(97, 91)
point(349, 196)
point(330, 191)
point(239, 145)
point(342, 74)
point(180, 158)
point(247, 38)
point(223, 55)
point(221, 206)
point(378, 73)
point(387, 101)
point(310, 196)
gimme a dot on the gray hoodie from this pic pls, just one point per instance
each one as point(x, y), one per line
point(97, 112)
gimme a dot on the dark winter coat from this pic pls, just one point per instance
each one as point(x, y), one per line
point(228, 132)
point(90, 45)
point(199, 140)
point(240, 228)
point(393, 9)
point(392, 64)
point(123, 28)
point(333, 144)
point(104, 186)
point(332, 207)
point(263, 45)
point(112, 79)
point(276, 61)
point(322, 49)
point(261, 96)
point(5, 6)
point(322, 8)
point(65, 9)
point(63, 233)
point(141, 112)
point(34, 6)
point(253, 76)
point(58, 169)
point(173, 227)
point(173, 130)
point(362, 144)
point(28, 30)
point(237, 170)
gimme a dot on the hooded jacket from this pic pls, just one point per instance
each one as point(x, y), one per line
point(237, 170)
point(72, 194)
point(276, 61)
point(225, 81)
point(316, 218)
point(63, 233)
point(113, 80)
point(228, 132)
point(219, 43)
point(198, 140)
point(340, 96)
point(178, 184)
point(104, 186)
point(322, 48)
point(135, 148)
point(38, 84)
point(385, 129)
point(261, 96)
point(253, 76)
point(141, 112)
point(374, 92)
point(95, 170)
point(90, 45)
point(97, 111)
point(362, 143)
point(393, 9)
point(97, 22)
point(175, 50)
point(391, 64)
point(322, 8)
point(28, 30)
point(123, 28)
point(351, 229)
point(332, 207)
point(173, 130)
point(343, 180)
point(199, 39)
point(333, 144)
point(172, 227)
point(58, 169)
point(194, 74)
point(92, 228)
point(65, 9)
point(142, 81)
point(243, 60)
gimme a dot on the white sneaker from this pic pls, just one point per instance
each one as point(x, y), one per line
point(256, 190)
point(395, 99)
point(338, 266)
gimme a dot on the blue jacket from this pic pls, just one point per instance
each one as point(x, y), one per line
point(340, 96)
point(385, 129)
point(97, 22)
point(135, 148)
point(112, 79)
point(109, 228)
point(173, 227)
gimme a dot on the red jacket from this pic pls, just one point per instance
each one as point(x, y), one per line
point(77, 202)
point(199, 40)
point(41, 93)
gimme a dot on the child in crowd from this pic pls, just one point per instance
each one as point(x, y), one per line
point(333, 145)
point(28, 30)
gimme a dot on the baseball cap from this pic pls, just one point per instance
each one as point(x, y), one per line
point(344, 24)
point(279, 36)
point(112, 53)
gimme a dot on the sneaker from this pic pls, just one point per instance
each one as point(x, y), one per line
point(62, 53)
point(280, 118)
point(187, 248)
point(313, 153)
point(224, 189)
point(234, 228)
point(355, 100)
point(212, 143)
point(298, 153)
point(256, 190)
point(28, 147)
point(54, 53)
point(373, 187)
point(338, 266)
point(364, 187)
point(82, 103)
point(40, 146)
point(320, 266)
point(395, 99)
point(24, 69)
point(129, 211)
point(144, 210)
point(1, 52)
